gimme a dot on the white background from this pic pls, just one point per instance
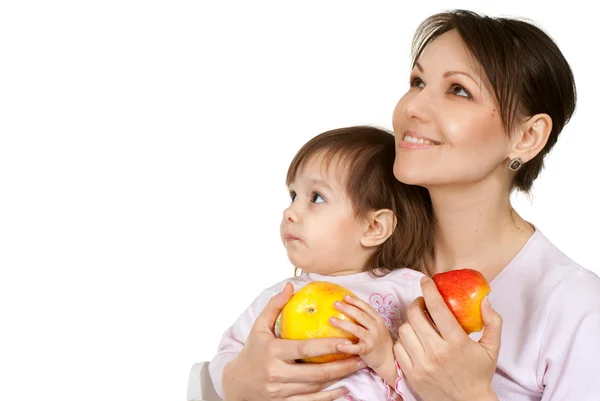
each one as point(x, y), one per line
point(143, 152)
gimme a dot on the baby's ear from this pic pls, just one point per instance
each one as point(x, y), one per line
point(381, 224)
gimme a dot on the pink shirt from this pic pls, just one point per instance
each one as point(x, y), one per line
point(550, 337)
point(389, 295)
point(551, 333)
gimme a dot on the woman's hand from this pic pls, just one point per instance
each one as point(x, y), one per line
point(375, 344)
point(441, 362)
point(266, 369)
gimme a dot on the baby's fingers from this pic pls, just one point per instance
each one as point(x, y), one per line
point(363, 306)
point(357, 349)
point(350, 327)
point(361, 317)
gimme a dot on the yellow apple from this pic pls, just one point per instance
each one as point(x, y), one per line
point(307, 313)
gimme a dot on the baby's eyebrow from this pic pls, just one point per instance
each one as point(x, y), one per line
point(320, 183)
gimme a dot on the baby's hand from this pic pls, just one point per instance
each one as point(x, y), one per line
point(375, 345)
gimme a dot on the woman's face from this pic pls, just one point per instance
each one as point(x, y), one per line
point(448, 127)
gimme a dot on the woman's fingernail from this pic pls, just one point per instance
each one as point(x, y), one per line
point(337, 304)
point(345, 390)
point(347, 297)
point(332, 320)
point(485, 303)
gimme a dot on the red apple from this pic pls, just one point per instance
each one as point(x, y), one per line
point(463, 291)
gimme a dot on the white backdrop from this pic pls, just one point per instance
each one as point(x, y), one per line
point(143, 152)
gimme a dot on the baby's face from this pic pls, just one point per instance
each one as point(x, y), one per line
point(319, 229)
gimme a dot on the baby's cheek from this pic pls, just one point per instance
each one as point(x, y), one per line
point(281, 233)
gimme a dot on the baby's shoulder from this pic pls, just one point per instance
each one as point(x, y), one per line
point(297, 281)
point(404, 283)
point(403, 278)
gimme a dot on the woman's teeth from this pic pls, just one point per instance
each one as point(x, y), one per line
point(412, 139)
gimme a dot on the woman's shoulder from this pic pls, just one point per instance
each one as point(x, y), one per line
point(540, 256)
point(584, 285)
point(543, 278)
point(541, 262)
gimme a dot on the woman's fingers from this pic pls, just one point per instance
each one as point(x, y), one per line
point(448, 326)
point(288, 389)
point(286, 385)
point(401, 356)
point(410, 343)
point(265, 322)
point(329, 395)
point(291, 350)
point(492, 329)
point(422, 325)
point(320, 372)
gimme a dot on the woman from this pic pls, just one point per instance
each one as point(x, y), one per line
point(487, 101)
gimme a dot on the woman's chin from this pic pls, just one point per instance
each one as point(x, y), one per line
point(407, 175)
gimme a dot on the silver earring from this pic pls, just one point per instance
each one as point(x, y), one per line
point(515, 164)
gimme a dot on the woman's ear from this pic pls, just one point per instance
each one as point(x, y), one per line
point(381, 225)
point(531, 138)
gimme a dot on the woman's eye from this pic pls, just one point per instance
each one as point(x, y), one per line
point(292, 196)
point(417, 82)
point(459, 91)
point(317, 198)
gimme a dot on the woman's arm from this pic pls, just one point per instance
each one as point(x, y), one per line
point(265, 367)
point(569, 359)
point(441, 362)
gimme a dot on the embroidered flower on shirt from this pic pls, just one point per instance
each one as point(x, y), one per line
point(387, 306)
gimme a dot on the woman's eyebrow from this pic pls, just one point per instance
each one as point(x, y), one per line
point(450, 73)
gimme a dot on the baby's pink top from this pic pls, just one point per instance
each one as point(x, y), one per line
point(390, 295)
point(551, 333)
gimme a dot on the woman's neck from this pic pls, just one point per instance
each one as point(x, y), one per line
point(475, 230)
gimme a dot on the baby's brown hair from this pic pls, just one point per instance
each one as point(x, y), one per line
point(368, 156)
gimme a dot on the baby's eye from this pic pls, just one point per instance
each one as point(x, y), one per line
point(317, 198)
point(417, 82)
point(293, 195)
point(459, 91)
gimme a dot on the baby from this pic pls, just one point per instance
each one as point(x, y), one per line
point(352, 223)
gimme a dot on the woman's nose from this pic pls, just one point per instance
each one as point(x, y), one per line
point(415, 106)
